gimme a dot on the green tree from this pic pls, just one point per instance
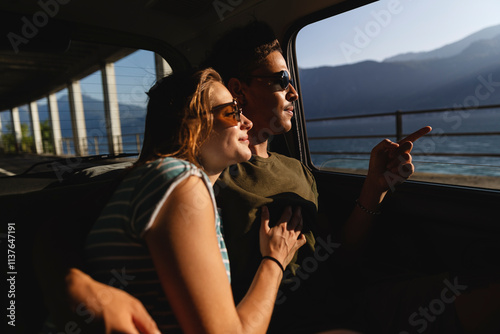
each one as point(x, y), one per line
point(9, 139)
point(27, 142)
point(47, 139)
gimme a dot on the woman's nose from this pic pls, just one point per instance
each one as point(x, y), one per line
point(245, 122)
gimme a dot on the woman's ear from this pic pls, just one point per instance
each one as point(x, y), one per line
point(235, 87)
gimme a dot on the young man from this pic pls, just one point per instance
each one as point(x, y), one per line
point(252, 65)
point(256, 73)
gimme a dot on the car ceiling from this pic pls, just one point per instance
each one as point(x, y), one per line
point(70, 39)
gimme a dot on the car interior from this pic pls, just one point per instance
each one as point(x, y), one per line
point(425, 227)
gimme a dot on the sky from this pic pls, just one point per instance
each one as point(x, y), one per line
point(390, 27)
point(134, 74)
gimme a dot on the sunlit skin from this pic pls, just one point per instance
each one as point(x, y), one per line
point(270, 111)
point(227, 144)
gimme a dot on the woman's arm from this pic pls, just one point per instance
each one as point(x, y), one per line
point(184, 247)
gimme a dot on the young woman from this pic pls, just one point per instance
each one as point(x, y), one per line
point(159, 237)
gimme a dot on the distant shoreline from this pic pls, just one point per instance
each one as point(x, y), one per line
point(478, 181)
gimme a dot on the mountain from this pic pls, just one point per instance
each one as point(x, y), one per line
point(449, 50)
point(377, 87)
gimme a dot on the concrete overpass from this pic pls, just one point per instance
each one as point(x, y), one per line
point(49, 63)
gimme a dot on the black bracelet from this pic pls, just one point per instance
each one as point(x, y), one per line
point(275, 260)
point(373, 213)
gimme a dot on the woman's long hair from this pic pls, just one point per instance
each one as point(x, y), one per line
point(178, 116)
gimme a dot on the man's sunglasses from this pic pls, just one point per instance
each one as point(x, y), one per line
point(228, 116)
point(278, 81)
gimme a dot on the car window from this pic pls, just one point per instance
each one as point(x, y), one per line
point(386, 69)
point(129, 78)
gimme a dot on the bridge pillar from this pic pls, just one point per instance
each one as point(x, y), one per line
point(35, 125)
point(78, 118)
point(111, 109)
point(55, 124)
point(1, 135)
point(16, 127)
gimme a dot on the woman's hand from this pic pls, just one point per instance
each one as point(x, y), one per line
point(284, 239)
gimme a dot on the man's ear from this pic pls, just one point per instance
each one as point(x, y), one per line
point(235, 87)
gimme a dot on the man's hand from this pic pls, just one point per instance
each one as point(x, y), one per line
point(391, 163)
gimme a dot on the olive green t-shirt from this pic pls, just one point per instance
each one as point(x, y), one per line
point(242, 190)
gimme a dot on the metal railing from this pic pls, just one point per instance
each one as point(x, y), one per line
point(97, 146)
point(398, 134)
point(130, 143)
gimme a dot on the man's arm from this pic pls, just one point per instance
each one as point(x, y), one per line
point(390, 165)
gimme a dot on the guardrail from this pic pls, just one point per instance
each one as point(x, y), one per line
point(398, 134)
point(131, 143)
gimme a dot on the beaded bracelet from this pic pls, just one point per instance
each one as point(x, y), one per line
point(373, 213)
point(275, 260)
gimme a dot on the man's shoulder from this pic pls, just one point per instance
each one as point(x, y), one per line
point(285, 159)
point(278, 165)
point(273, 159)
point(259, 169)
point(288, 163)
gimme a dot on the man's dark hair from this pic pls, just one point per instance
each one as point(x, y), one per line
point(242, 50)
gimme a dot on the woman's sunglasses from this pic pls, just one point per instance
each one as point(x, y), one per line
point(229, 116)
point(278, 81)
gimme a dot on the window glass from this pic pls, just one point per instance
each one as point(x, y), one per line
point(386, 69)
point(93, 105)
point(67, 145)
point(6, 140)
point(133, 74)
